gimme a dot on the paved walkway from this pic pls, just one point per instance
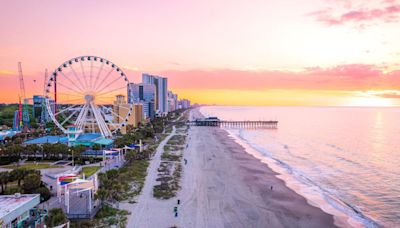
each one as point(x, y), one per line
point(143, 211)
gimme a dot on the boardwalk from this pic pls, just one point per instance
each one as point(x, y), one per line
point(235, 124)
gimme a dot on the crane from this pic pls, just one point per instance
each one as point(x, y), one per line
point(43, 115)
point(24, 113)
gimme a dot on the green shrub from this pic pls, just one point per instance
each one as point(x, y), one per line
point(44, 193)
point(56, 217)
point(11, 190)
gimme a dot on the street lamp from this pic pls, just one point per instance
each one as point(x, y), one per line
point(72, 157)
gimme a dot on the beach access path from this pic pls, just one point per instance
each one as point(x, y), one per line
point(149, 211)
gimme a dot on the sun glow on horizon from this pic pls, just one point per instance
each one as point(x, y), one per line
point(371, 102)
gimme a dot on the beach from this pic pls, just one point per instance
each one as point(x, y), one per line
point(224, 186)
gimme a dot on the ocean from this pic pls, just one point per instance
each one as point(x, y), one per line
point(344, 160)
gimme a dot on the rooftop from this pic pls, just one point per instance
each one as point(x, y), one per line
point(10, 203)
point(85, 139)
point(7, 133)
point(104, 141)
point(48, 139)
point(89, 137)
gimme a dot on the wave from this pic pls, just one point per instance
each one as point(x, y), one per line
point(312, 191)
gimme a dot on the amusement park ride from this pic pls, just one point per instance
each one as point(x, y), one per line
point(79, 95)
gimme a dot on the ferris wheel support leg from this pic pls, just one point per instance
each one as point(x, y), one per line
point(81, 117)
point(105, 131)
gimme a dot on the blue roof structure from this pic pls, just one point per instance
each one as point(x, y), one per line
point(48, 139)
point(134, 146)
point(94, 153)
point(89, 137)
point(7, 133)
point(104, 141)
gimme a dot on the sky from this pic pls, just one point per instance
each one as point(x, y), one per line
point(228, 52)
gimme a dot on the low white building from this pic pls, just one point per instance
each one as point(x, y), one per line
point(14, 209)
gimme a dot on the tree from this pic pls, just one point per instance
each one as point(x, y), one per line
point(4, 179)
point(78, 151)
point(96, 147)
point(15, 150)
point(17, 139)
point(18, 175)
point(32, 149)
point(32, 182)
point(56, 217)
point(44, 193)
point(62, 149)
point(2, 150)
point(102, 195)
point(47, 150)
point(131, 155)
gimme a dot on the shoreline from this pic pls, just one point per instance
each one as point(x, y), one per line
point(341, 219)
point(235, 188)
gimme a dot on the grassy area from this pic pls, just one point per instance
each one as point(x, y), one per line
point(138, 173)
point(110, 216)
point(169, 147)
point(169, 185)
point(33, 166)
point(90, 170)
point(170, 157)
point(177, 140)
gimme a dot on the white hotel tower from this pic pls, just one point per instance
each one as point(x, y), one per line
point(161, 98)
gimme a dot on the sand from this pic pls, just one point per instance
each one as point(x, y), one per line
point(223, 186)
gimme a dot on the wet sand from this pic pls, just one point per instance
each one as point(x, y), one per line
point(223, 186)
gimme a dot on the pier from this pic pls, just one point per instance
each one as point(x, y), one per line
point(215, 122)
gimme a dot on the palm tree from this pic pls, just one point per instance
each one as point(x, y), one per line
point(60, 149)
point(102, 195)
point(18, 174)
point(4, 179)
point(46, 150)
point(78, 150)
point(32, 149)
point(14, 150)
point(56, 217)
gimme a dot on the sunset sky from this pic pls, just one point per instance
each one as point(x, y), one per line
point(231, 52)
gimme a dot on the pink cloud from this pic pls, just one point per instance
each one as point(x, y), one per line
point(389, 95)
point(359, 16)
point(349, 77)
point(342, 77)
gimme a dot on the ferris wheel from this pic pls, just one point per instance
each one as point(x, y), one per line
point(82, 93)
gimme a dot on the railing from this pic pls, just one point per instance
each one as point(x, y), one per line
point(241, 124)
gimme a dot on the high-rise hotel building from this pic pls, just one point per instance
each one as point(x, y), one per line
point(161, 96)
point(121, 109)
point(144, 94)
